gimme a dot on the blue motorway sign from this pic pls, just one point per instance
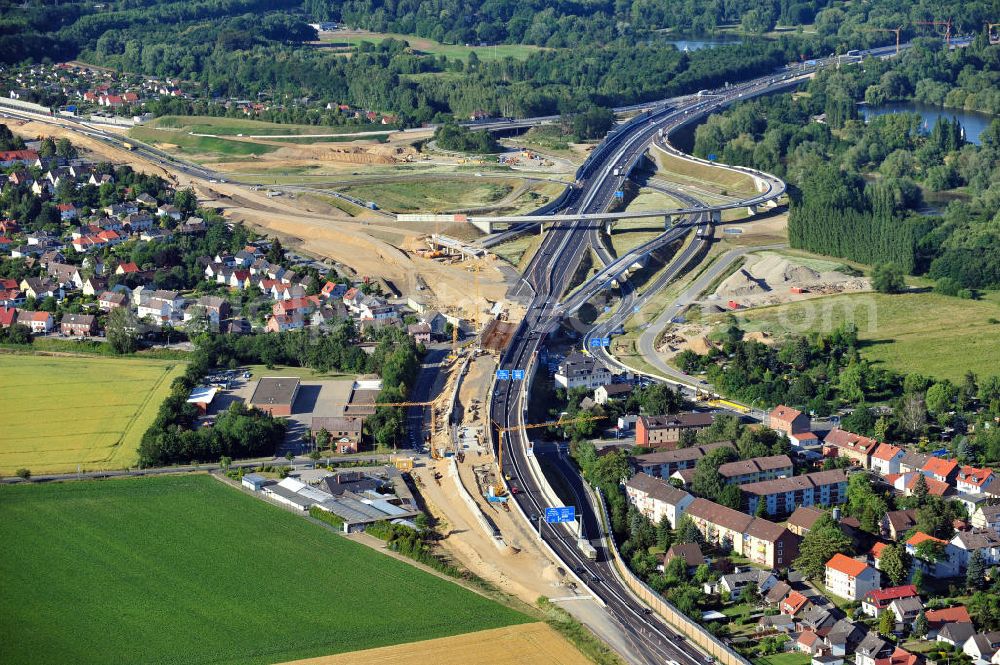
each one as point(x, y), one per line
point(712, 157)
point(557, 515)
point(636, 309)
point(595, 341)
point(619, 194)
point(518, 374)
point(605, 341)
point(503, 375)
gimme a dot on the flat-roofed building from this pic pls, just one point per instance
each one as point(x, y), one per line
point(275, 395)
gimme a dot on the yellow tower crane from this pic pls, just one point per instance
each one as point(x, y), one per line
point(499, 489)
point(898, 31)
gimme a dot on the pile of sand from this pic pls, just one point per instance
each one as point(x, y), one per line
point(700, 345)
point(770, 278)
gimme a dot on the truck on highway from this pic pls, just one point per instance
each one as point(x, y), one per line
point(588, 550)
point(127, 145)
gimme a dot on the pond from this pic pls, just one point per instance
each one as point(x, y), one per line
point(973, 123)
point(696, 43)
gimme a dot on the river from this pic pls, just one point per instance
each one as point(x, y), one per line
point(973, 123)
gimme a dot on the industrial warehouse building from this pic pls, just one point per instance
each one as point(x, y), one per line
point(275, 395)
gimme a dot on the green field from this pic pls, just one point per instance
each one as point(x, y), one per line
point(915, 332)
point(183, 569)
point(199, 145)
point(787, 658)
point(91, 412)
point(627, 234)
point(203, 124)
point(703, 176)
point(437, 195)
point(425, 45)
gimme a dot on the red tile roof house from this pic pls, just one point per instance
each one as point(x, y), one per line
point(906, 482)
point(972, 480)
point(39, 322)
point(886, 458)
point(941, 469)
point(899, 657)
point(948, 567)
point(78, 325)
point(877, 601)
point(850, 578)
point(788, 420)
point(8, 317)
point(938, 619)
point(854, 447)
point(794, 602)
point(875, 555)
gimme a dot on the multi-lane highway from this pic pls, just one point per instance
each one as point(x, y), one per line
point(547, 278)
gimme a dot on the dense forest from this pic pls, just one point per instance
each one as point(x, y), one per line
point(858, 187)
point(605, 53)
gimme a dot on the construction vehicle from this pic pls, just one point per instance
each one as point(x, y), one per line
point(500, 489)
point(588, 550)
point(127, 145)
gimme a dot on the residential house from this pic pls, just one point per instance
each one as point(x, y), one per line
point(215, 309)
point(420, 332)
point(67, 276)
point(788, 420)
point(78, 325)
point(93, 286)
point(809, 642)
point(802, 520)
point(67, 212)
point(875, 555)
point(854, 447)
point(662, 464)
point(345, 433)
point(129, 268)
point(850, 578)
point(778, 593)
point(763, 542)
point(912, 461)
point(877, 601)
point(303, 307)
point(580, 371)
point(782, 495)
point(756, 469)
point(656, 498)
point(689, 552)
point(956, 634)
point(285, 322)
point(843, 638)
point(109, 300)
point(906, 611)
point(160, 306)
point(906, 483)
point(18, 158)
point(170, 211)
point(793, 603)
point(8, 316)
point(665, 431)
point(986, 516)
point(40, 323)
point(886, 458)
point(871, 649)
point(897, 523)
point(40, 288)
point(938, 619)
point(971, 480)
point(11, 297)
point(981, 647)
point(606, 393)
point(899, 656)
point(947, 567)
point(964, 543)
point(941, 469)
point(734, 583)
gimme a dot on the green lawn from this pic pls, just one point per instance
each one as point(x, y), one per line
point(915, 332)
point(787, 658)
point(627, 234)
point(183, 569)
point(703, 176)
point(426, 45)
point(65, 412)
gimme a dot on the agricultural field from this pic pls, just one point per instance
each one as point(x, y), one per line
point(431, 47)
point(78, 412)
point(184, 569)
point(925, 332)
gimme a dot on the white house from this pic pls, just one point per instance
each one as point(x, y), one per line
point(885, 460)
point(656, 498)
point(982, 647)
point(850, 578)
point(580, 371)
point(986, 517)
point(971, 480)
point(964, 543)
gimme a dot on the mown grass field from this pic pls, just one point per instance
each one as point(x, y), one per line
point(702, 175)
point(184, 569)
point(627, 234)
point(70, 411)
point(927, 333)
point(425, 45)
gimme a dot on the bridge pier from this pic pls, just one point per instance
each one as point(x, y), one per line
point(751, 210)
point(609, 226)
point(716, 216)
point(668, 221)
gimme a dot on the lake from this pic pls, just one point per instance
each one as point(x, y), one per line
point(974, 123)
point(695, 44)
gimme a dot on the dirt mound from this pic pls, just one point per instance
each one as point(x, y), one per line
point(742, 283)
point(700, 345)
point(762, 337)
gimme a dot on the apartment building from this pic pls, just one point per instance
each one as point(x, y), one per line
point(783, 495)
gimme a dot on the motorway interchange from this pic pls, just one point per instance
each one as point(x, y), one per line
point(574, 228)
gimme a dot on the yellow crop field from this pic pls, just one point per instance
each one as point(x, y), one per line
point(70, 412)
